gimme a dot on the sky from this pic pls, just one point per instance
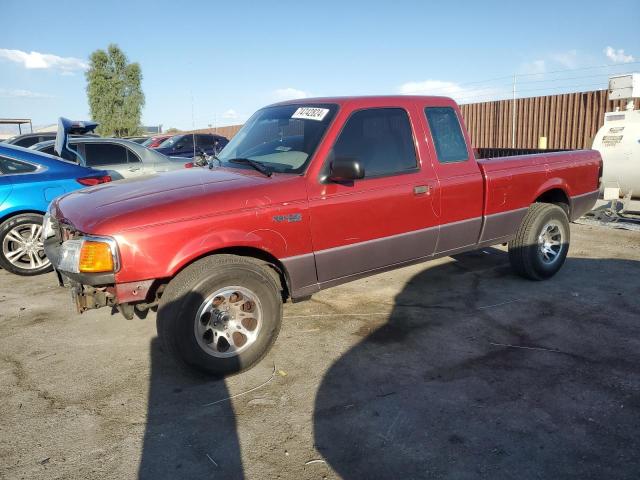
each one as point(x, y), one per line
point(214, 63)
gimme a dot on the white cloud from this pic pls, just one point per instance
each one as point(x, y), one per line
point(37, 60)
point(230, 114)
point(4, 93)
point(568, 59)
point(451, 89)
point(534, 67)
point(289, 93)
point(565, 60)
point(618, 56)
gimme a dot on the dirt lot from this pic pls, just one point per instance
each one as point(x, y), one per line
point(453, 369)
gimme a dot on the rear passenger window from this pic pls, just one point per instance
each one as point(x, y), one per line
point(9, 166)
point(447, 134)
point(380, 139)
point(204, 140)
point(26, 142)
point(132, 157)
point(98, 154)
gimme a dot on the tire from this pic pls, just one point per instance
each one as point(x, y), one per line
point(540, 246)
point(193, 322)
point(22, 234)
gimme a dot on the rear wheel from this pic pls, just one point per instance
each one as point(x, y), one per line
point(541, 244)
point(220, 315)
point(21, 248)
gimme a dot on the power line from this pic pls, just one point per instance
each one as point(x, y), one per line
point(581, 68)
point(612, 65)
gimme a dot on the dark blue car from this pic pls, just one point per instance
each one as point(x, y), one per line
point(29, 180)
point(189, 145)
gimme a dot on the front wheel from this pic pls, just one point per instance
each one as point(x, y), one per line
point(21, 248)
point(541, 244)
point(220, 315)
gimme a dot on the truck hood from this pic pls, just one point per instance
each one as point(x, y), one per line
point(170, 197)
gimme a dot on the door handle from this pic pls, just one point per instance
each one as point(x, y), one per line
point(134, 169)
point(421, 190)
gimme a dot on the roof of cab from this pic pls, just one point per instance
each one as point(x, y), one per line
point(372, 100)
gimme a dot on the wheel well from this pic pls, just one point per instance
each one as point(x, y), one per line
point(276, 267)
point(557, 197)
point(21, 212)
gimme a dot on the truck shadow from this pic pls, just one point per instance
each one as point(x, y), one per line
point(185, 437)
point(441, 390)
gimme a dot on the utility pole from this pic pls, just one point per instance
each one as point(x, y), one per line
point(513, 116)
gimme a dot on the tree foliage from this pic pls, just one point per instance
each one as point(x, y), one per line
point(115, 93)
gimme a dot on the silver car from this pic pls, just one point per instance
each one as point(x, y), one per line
point(120, 157)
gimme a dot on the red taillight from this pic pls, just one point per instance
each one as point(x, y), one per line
point(89, 181)
point(188, 165)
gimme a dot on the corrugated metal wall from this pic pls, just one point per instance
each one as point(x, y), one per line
point(568, 121)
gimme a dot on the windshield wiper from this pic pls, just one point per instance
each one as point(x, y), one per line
point(261, 167)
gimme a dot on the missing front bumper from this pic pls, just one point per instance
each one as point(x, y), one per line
point(87, 298)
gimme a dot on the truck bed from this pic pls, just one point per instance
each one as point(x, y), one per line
point(512, 182)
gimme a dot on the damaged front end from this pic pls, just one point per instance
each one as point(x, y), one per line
point(88, 265)
point(135, 298)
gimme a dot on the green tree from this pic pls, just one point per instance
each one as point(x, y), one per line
point(115, 93)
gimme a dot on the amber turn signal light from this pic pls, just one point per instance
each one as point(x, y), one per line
point(95, 257)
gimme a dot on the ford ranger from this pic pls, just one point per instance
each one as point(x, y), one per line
point(308, 195)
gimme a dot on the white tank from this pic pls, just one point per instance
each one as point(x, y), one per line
point(618, 140)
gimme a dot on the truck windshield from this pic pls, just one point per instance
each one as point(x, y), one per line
point(283, 138)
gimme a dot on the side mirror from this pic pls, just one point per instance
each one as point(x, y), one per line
point(178, 146)
point(346, 169)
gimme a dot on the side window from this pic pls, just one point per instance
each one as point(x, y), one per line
point(11, 167)
point(186, 141)
point(26, 142)
point(50, 150)
point(380, 139)
point(447, 134)
point(204, 140)
point(98, 154)
point(132, 157)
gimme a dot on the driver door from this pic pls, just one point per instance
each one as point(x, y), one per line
point(386, 218)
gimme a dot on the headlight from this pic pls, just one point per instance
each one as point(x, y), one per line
point(47, 227)
point(88, 255)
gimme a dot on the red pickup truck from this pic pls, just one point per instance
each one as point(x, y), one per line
point(308, 195)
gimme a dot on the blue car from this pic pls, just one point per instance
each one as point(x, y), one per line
point(29, 180)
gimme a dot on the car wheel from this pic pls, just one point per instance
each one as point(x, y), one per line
point(220, 315)
point(21, 249)
point(541, 244)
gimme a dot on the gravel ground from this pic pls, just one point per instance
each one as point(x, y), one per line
point(452, 369)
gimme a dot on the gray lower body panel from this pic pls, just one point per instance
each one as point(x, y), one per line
point(369, 255)
point(501, 225)
point(458, 234)
point(581, 204)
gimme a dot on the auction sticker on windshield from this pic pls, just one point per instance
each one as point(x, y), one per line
point(310, 113)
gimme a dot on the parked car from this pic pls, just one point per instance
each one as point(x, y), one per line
point(139, 140)
point(122, 158)
point(155, 141)
point(29, 180)
point(28, 139)
point(310, 194)
point(189, 145)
